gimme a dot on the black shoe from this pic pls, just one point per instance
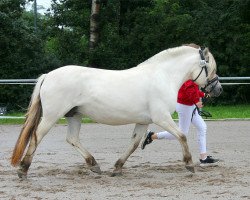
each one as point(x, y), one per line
point(146, 139)
point(208, 161)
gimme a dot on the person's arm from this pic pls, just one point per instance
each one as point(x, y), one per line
point(194, 94)
point(199, 104)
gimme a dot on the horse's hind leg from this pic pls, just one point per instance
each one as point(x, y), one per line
point(74, 125)
point(43, 128)
point(138, 132)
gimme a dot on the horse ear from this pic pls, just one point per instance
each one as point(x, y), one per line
point(205, 52)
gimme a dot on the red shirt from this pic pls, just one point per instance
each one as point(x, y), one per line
point(189, 93)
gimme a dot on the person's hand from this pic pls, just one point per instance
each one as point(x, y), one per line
point(207, 95)
point(199, 104)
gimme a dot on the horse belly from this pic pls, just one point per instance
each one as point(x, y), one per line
point(114, 116)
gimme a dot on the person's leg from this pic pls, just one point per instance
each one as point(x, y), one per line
point(149, 136)
point(201, 127)
point(163, 135)
point(184, 114)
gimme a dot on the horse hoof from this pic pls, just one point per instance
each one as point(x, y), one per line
point(21, 174)
point(116, 173)
point(96, 169)
point(190, 168)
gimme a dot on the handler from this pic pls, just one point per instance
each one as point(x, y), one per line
point(188, 101)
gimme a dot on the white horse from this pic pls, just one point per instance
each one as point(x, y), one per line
point(142, 95)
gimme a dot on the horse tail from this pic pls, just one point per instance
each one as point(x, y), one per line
point(32, 120)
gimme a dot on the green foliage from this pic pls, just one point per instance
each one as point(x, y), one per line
point(130, 32)
point(22, 53)
point(69, 31)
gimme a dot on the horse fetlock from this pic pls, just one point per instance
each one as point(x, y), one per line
point(183, 138)
point(22, 174)
point(91, 161)
point(93, 166)
point(119, 163)
point(116, 172)
point(24, 166)
point(189, 163)
point(190, 168)
point(118, 168)
point(188, 159)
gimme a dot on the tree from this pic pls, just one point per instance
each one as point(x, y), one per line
point(22, 53)
point(129, 32)
point(68, 36)
point(94, 24)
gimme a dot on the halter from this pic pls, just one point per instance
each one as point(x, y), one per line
point(203, 64)
point(203, 112)
point(209, 82)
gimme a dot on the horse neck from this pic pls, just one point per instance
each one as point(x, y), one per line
point(179, 68)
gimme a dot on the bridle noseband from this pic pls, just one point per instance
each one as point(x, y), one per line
point(209, 82)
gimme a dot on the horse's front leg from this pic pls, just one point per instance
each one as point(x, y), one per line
point(138, 132)
point(167, 123)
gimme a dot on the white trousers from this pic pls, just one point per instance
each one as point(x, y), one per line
point(185, 115)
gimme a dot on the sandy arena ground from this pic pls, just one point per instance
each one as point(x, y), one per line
point(59, 172)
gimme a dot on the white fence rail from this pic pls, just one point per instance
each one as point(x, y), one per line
point(18, 81)
point(234, 79)
point(33, 81)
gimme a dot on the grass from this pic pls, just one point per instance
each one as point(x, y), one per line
point(226, 112)
point(21, 120)
point(218, 112)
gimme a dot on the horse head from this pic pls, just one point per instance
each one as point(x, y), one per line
point(205, 75)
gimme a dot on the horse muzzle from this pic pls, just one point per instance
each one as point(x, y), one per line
point(216, 91)
point(213, 87)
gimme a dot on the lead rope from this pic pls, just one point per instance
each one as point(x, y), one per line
point(201, 112)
